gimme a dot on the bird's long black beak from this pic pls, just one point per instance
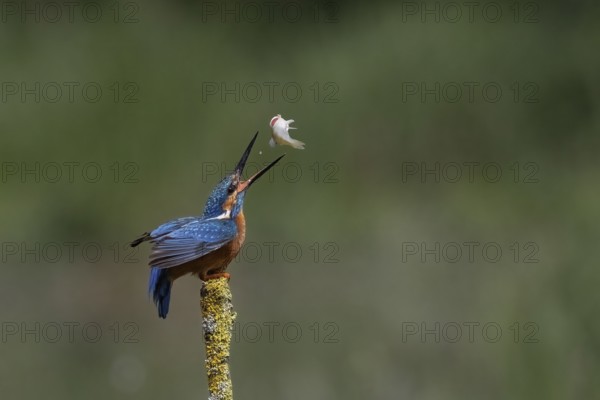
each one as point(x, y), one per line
point(240, 167)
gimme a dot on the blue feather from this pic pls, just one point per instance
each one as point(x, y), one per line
point(159, 288)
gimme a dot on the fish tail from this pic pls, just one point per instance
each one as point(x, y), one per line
point(297, 144)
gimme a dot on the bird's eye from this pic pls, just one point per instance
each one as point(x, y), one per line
point(231, 189)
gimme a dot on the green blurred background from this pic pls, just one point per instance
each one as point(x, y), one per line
point(378, 318)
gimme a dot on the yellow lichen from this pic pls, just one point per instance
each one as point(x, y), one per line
point(217, 324)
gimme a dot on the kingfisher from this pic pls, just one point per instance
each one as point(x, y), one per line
point(204, 245)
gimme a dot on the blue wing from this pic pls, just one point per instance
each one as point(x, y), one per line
point(191, 241)
point(170, 226)
point(162, 230)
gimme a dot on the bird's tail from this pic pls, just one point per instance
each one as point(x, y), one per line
point(160, 289)
point(272, 142)
point(296, 144)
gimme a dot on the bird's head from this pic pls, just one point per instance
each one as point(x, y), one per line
point(227, 198)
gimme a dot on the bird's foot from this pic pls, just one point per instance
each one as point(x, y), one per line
point(217, 276)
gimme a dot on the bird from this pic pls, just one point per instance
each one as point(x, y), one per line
point(281, 135)
point(202, 245)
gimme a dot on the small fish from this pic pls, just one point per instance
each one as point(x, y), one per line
point(281, 133)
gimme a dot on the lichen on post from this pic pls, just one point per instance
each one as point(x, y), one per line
point(217, 324)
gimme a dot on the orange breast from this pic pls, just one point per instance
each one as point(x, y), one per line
point(240, 221)
point(218, 260)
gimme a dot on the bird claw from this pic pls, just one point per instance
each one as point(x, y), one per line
point(217, 276)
